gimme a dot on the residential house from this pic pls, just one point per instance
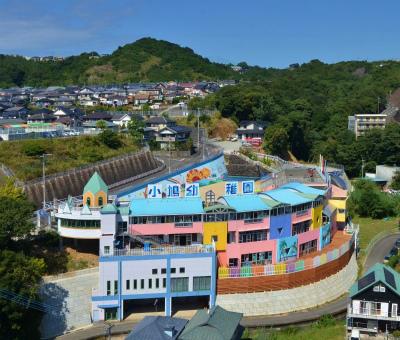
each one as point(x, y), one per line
point(96, 116)
point(91, 101)
point(165, 131)
point(214, 324)
point(157, 328)
point(15, 112)
point(251, 131)
point(121, 119)
point(141, 98)
point(374, 301)
point(41, 118)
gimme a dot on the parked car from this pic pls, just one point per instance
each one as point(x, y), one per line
point(394, 251)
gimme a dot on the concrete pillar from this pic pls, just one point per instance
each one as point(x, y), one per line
point(168, 306)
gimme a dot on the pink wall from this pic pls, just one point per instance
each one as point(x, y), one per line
point(235, 250)
point(165, 229)
point(239, 225)
point(301, 218)
point(307, 237)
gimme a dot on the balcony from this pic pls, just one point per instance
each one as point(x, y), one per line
point(167, 250)
point(370, 313)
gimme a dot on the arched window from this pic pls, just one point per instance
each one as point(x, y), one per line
point(88, 201)
point(100, 200)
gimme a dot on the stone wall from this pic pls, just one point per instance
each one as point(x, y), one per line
point(290, 300)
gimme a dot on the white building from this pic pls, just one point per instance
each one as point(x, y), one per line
point(360, 123)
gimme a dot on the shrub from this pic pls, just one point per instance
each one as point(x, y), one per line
point(33, 149)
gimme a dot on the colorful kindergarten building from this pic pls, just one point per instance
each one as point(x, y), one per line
point(182, 236)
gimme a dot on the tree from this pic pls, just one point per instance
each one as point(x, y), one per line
point(101, 124)
point(15, 215)
point(20, 275)
point(396, 181)
point(110, 139)
point(135, 129)
point(276, 141)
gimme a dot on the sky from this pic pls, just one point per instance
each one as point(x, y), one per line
point(268, 33)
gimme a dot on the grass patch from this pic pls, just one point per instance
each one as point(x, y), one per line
point(22, 157)
point(325, 328)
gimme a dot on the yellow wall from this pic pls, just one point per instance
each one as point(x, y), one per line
point(316, 214)
point(218, 189)
point(219, 229)
point(339, 204)
point(94, 199)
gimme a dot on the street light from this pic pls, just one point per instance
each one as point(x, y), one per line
point(43, 157)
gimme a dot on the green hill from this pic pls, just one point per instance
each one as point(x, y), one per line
point(146, 59)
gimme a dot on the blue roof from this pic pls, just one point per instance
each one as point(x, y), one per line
point(305, 189)
point(166, 206)
point(243, 203)
point(287, 196)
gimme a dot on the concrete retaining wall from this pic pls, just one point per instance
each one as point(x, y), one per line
point(289, 300)
point(70, 294)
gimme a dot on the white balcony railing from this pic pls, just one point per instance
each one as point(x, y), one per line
point(371, 313)
point(192, 249)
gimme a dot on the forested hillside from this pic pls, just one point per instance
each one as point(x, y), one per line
point(307, 108)
point(144, 60)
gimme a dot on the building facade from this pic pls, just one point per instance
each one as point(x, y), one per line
point(360, 123)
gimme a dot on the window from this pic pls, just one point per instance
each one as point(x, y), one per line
point(394, 309)
point(379, 289)
point(233, 262)
point(181, 270)
point(231, 237)
point(154, 271)
point(150, 283)
point(302, 227)
point(135, 284)
point(106, 250)
point(253, 236)
point(164, 282)
point(308, 247)
point(179, 284)
point(115, 287)
point(201, 283)
point(173, 270)
point(141, 283)
point(100, 201)
point(88, 201)
point(122, 226)
point(256, 258)
point(163, 270)
point(110, 313)
point(157, 283)
point(214, 238)
point(128, 284)
point(108, 287)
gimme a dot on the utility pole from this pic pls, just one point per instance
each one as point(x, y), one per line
point(43, 157)
point(362, 167)
point(379, 100)
point(198, 129)
point(169, 154)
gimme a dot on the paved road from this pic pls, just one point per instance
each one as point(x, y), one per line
point(176, 163)
point(378, 252)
